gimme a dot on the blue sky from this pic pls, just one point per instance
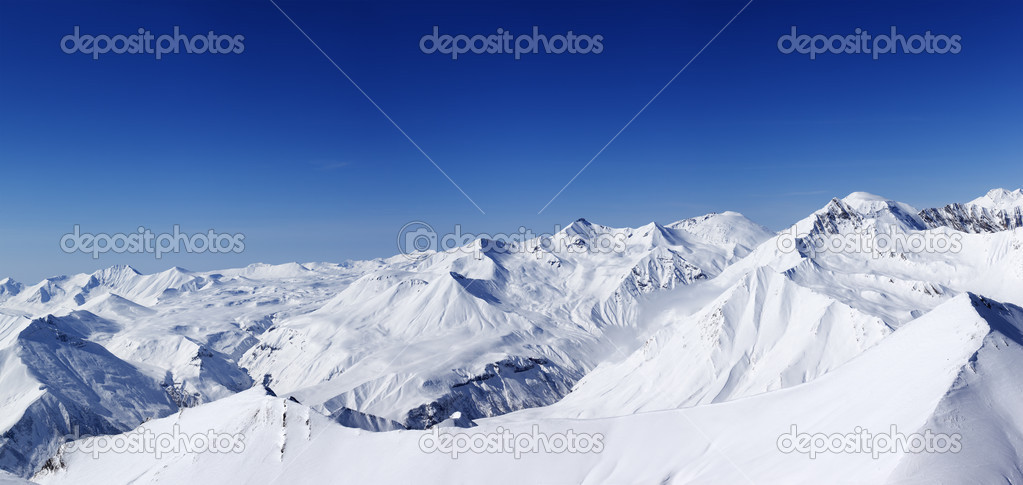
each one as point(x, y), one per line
point(275, 143)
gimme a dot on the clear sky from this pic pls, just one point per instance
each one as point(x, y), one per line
point(277, 144)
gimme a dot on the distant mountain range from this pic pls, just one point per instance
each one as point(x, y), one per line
point(691, 349)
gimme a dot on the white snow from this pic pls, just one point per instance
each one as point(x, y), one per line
point(690, 351)
point(1000, 199)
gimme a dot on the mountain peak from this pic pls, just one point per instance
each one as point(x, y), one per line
point(584, 228)
point(10, 287)
point(857, 209)
point(119, 269)
point(1000, 199)
point(863, 197)
point(1002, 193)
point(866, 203)
point(726, 227)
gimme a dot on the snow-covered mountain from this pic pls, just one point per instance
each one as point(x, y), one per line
point(999, 210)
point(690, 350)
point(730, 442)
point(520, 327)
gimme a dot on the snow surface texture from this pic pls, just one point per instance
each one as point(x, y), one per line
point(689, 353)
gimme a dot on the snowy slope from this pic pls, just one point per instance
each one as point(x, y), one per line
point(55, 382)
point(521, 326)
point(691, 347)
point(984, 406)
point(735, 442)
point(110, 362)
point(784, 318)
